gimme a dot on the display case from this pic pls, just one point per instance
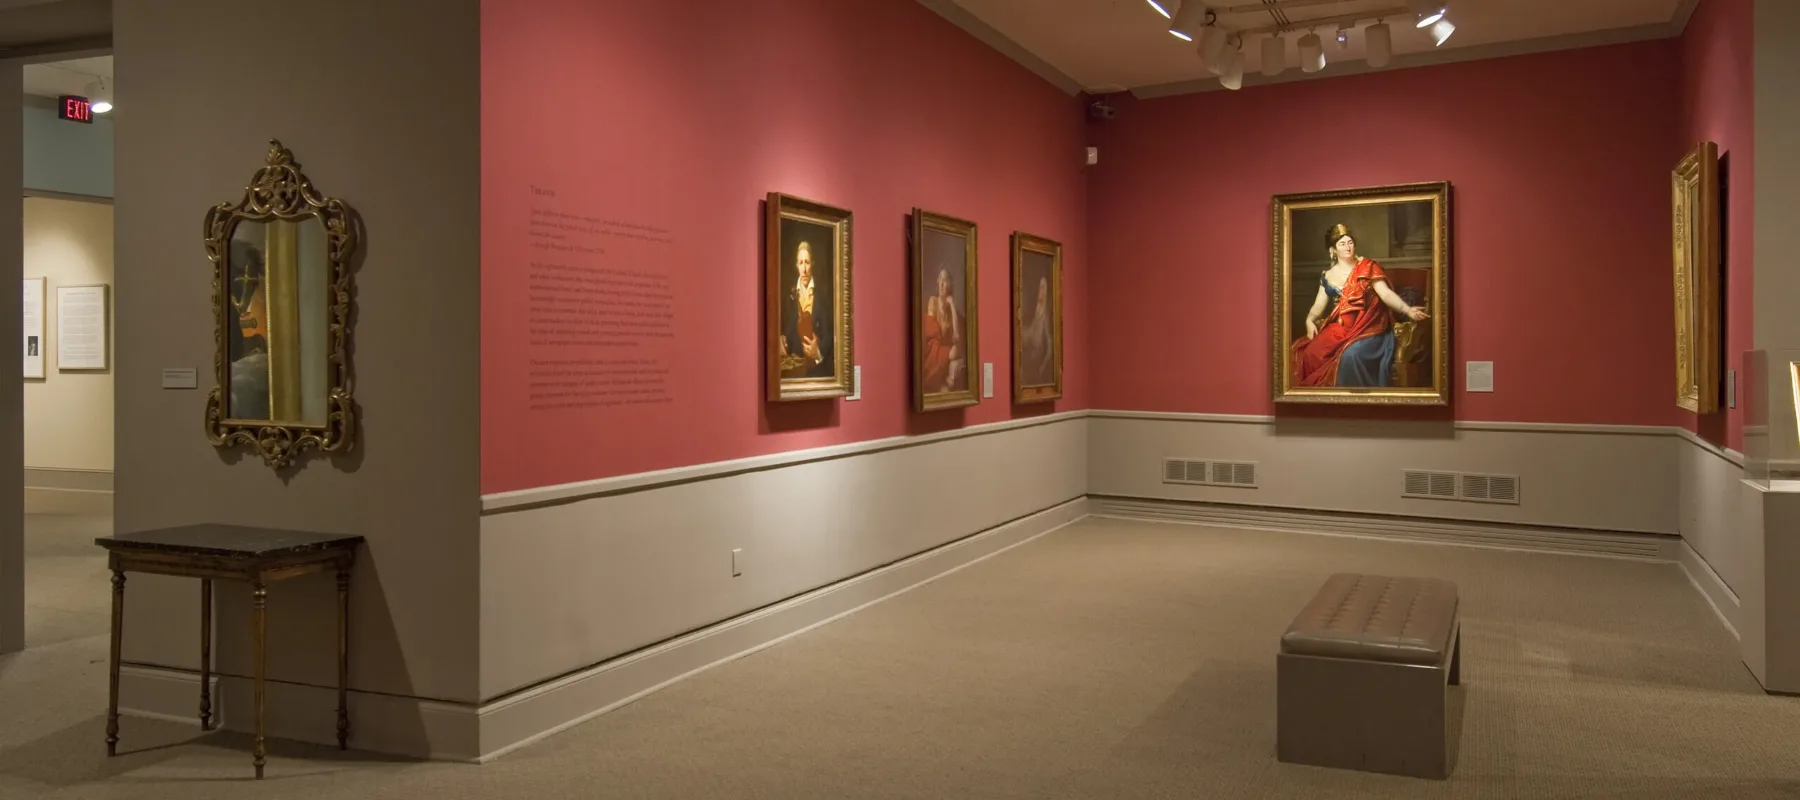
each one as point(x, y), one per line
point(1769, 393)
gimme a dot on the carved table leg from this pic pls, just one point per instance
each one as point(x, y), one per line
point(343, 644)
point(206, 714)
point(112, 677)
point(260, 641)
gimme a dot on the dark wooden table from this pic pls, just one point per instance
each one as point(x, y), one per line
point(257, 556)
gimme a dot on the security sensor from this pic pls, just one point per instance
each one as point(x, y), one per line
point(1100, 110)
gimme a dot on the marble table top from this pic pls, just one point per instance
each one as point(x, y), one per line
point(239, 541)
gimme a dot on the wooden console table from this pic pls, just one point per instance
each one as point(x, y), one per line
point(257, 556)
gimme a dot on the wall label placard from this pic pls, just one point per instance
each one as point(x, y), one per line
point(180, 378)
point(81, 327)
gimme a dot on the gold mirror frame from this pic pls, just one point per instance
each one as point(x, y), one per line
point(280, 191)
point(1694, 200)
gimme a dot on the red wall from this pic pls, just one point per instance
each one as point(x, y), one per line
point(1717, 101)
point(1559, 165)
point(677, 118)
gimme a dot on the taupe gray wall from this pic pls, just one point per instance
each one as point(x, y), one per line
point(68, 415)
point(380, 102)
point(1777, 169)
point(567, 586)
point(1621, 479)
point(12, 479)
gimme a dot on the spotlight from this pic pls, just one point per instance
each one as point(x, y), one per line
point(1378, 41)
point(1428, 11)
point(1312, 53)
point(1188, 20)
point(1161, 7)
point(1274, 55)
point(1233, 78)
point(1441, 31)
point(1212, 48)
point(1343, 37)
point(99, 96)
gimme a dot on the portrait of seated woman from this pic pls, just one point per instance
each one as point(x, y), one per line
point(1349, 338)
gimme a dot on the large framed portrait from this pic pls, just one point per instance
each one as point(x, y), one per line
point(1036, 319)
point(1360, 305)
point(1694, 187)
point(807, 272)
point(945, 293)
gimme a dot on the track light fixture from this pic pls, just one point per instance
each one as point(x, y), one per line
point(1274, 55)
point(1162, 7)
point(1233, 78)
point(1378, 44)
point(1187, 21)
point(1212, 48)
point(1312, 53)
point(1441, 31)
point(1428, 12)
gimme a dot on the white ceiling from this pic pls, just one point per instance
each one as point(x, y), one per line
point(1114, 45)
point(56, 78)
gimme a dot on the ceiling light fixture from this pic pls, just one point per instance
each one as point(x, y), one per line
point(1441, 31)
point(1188, 20)
point(1428, 12)
point(1161, 7)
point(99, 96)
point(1274, 55)
point(1212, 48)
point(1378, 44)
point(1312, 53)
point(1233, 78)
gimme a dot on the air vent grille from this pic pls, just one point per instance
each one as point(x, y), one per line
point(1202, 472)
point(1468, 487)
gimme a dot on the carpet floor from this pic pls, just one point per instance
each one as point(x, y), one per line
point(1110, 659)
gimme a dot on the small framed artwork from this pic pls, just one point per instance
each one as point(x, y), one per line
point(1694, 185)
point(1360, 300)
point(806, 268)
point(1036, 319)
point(946, 352)
point(33, 317)
point(81, 328)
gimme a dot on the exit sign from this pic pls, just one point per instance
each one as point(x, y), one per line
point(74, 109)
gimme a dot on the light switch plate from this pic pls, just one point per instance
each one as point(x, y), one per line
point(1480, 376)
point(987, 379)
point(737, 562)
point(855, 383)
point(180, 378)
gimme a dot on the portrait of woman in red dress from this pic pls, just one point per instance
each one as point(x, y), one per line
point(1349, 339)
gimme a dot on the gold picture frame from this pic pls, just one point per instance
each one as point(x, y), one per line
point(946, 331)
point(281, 260)
point(1388, 343)
point(1694, 202)
point(1037, 319)
point(805, 357)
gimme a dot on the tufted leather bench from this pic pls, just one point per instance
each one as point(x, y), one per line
point(1363, 676)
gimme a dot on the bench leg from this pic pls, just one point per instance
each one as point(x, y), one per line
point(1456, 658)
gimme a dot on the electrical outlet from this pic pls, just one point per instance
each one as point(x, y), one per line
point(737, 562)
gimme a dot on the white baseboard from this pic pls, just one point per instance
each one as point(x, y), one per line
point(1707, 582)
point(71, 502)
point(436, 730)
point(1638, 546)
point(519, 719)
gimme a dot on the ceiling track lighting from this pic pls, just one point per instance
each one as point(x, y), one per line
point(1312, 53)
point(1162, 7)
point(1233, 77)
point(99, 96)
point(1428, 12)
point(1222, 52)
point(1274, 55)
point(1187, 21)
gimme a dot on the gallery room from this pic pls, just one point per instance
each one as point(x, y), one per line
point(913, 398)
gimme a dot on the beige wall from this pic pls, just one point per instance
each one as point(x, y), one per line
point(1777, 168)
point(567, 586)
point(12, 493)
point(68, 415)
point(1622, 479)
point(380, 103)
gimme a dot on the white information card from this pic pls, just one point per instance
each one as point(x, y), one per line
point(33, 342)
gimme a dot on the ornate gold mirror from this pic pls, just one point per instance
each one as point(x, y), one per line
point(281, 302)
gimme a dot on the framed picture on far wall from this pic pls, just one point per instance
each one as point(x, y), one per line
point(946, 352)
point(807, 276)
point(1036, 319)
point(1694, 201)
point(1360, 305)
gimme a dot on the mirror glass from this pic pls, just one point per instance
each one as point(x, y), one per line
point(278, 315)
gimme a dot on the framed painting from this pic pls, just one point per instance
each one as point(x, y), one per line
point(1694, 197)
point(806, 267)
point(1360, 301)
point(1036, 319)
point(945, 294)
